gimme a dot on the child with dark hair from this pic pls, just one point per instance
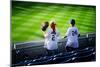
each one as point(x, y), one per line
point(72, 35)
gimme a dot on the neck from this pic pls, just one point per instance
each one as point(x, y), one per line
point(73, 26)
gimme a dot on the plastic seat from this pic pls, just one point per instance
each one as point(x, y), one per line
point(80, 55)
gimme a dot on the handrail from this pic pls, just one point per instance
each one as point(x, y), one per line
point(41, 43)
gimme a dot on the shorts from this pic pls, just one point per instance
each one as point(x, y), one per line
point(72, 44)
point(52, 52)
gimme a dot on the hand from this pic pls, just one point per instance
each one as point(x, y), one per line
point(65, 36)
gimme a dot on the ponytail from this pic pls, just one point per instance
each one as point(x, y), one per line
point(53, 27)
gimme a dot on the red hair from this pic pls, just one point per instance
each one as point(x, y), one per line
point(53, 27)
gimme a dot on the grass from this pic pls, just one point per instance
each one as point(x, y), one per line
point(28, 16)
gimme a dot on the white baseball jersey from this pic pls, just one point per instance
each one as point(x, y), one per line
point(72, 37)
point(51, 40)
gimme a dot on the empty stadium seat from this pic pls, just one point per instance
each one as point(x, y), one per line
point(91, 35)
point(80, 55)
point(83, 42)
point(70, 60)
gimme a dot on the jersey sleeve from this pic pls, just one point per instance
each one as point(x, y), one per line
point(78, 31)
point(47, 33)
point(58, 34)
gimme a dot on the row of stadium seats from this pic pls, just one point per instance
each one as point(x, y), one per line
point(80, 55)
point(36, 54)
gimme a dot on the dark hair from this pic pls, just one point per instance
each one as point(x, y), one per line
point(72, 22)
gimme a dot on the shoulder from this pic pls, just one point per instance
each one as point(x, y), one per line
point(49, 30)
point(57, 29)
point(76, 28)
point(69, 28)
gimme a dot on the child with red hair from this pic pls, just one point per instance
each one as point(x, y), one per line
point(51, 39)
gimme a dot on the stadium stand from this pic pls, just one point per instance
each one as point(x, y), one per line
point(33, 53)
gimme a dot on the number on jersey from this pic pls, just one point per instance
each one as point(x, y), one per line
point(74, 33)
point(53, 37)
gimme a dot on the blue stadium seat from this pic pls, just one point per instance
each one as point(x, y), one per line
point(80, 55)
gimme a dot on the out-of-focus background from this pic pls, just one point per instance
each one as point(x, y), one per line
point(27, 18)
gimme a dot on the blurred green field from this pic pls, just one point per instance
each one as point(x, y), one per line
point(27, 18)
